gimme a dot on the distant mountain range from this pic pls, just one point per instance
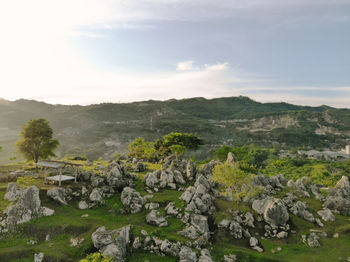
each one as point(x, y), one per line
point(104, 129)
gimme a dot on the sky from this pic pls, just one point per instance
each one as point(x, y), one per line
point(93, 51)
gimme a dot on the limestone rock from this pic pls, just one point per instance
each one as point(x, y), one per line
point(13, 192)
point(154, 218)
point(59, 194)
point(132, 200)
point(326, 214)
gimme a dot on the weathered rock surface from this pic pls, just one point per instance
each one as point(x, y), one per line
point(187, 255)
point(326, 214)
point(154, 218)
point(274, 211)
point(13, 192)
point(132, 200)
point(27, 207)
point(112, 243)
point(300, 210)
point(60, 195)
point(338, 199)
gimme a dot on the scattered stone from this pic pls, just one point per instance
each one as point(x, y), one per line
point(187, 255)
point(230, 258)
point(313, 240)
point(83, 205)
point(154, 218)
point(326, 214)
point(274, 211)
point(74, 242)
point(253, 242)
point(39, 257)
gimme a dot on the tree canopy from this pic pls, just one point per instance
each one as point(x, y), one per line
point(142, 149)
point(36, 140)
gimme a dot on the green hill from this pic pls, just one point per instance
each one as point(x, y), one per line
point(104, 129)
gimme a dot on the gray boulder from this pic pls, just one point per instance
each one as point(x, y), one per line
point(187, 255)
point(151, 179)
point(132, 200)
point(313, 240)
point(205, 256)
point(39, 257)
point(191, 170)
point(13, 192)
point(274, 211)
point(326, 214)
point(59, 194)
point(96, 196)
point(154, 218)
point(112, 243)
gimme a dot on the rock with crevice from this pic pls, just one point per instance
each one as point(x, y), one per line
point(60, 195)
point(112, 243)
point(132, 200)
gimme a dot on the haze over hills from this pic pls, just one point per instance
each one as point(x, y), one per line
point(105, 129)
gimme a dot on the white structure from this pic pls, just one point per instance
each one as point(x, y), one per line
point(347, 150)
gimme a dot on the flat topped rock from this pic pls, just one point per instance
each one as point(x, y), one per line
point(63, 178)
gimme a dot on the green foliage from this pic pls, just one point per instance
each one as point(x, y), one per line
point(252, 155)
point(235, 180)
point(96, 257)
point(177, 142)
point(142, 149)
point(178, 150)
point(36, 140)
point(188, 140)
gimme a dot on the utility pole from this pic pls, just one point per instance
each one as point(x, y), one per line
point(151, 123)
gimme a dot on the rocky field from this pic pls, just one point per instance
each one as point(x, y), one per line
point(135, 211)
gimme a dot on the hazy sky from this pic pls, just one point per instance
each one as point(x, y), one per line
point(91, 51)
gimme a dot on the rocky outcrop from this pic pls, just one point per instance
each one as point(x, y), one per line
point(338, 199)
point(27, 207)
point(96, 196)
point(132, 200)
point(198, 230)
point(198, 198)
point(112, 243)
point(191, 170)
point(270, 184)
point(273, 209)
point(154, 218)
point(118, 177)
point(300, 209)
point(138, 165)
point(60, 195)
point(166, 178)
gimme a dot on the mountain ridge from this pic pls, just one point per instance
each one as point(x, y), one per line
point(106, 128)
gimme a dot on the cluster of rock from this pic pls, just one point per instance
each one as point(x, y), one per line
point(164, 178)
point(198, 197)
point(197, 229)
point(238, 227)
point(338, 198)
point(25, 206)
point(138, 165)
point(271, 184)
point(275, 214)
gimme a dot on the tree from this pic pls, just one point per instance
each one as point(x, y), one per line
point(178, 150)
point(142, 149)
point(235, 181)
point(36, 140)
point(187, 140)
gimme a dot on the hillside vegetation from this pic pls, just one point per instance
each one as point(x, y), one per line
point(104, 129)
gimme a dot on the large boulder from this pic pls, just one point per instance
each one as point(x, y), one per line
point(27, 207)
point(59, 194)
point(273, 209)
point(112, 243)
point(152, 179)
point(191, 170)
point(338, 199)
point(132, 200)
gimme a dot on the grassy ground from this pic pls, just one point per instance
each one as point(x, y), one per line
point(68, 222)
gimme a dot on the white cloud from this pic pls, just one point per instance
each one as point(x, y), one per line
point(217, 67)
point(185, 65)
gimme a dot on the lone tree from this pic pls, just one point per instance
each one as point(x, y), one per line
point(36, 140)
